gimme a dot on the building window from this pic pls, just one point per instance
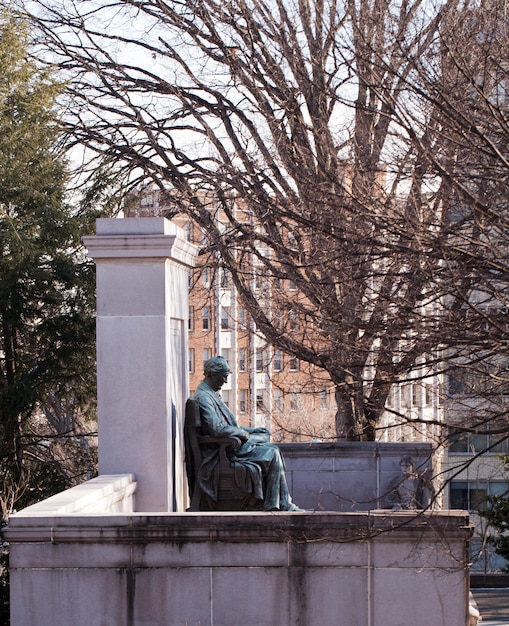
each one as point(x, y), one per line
point(191, 360)
point(428, 390)
point(242, 359)
point(225, 395)
point(278, 360)
point(205, 276)
point(243, 400)
point(472, 495)
point(294, 321)
point(473, 443)
point(260, 359)
point(415, 390)
point(225, 318)
point(224, 278)
point(258, 279)
point(190, 319)
point(294, 364)
point(441, 393)
point(260, 404)
point(485, 378)
point(294, 401)
point(242, 316)
point(457, 382)
point(207, 354)
point(403, 395)
point(277, 398)
point(226, 354)
point(206, 318)
point(390, 397)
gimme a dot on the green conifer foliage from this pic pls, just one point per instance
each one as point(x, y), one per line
point(46, 285)
point(497, 515)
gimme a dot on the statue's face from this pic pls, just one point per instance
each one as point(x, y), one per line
point(218, 379)
point(407, 468)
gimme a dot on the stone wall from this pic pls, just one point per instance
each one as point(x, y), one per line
point(255, 569)
point(347, 476)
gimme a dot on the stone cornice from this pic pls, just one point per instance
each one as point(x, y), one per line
point(239, 527)
point(135, 238)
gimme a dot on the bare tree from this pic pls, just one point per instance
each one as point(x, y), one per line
point(326, 144)
point(471, 98)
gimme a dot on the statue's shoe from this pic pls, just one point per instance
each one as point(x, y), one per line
point(295, 509)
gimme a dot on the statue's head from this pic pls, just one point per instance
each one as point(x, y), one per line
point(216, 365)
point(407, 464)
point(216, 372)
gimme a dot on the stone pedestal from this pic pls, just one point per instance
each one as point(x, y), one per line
point(142, 354)
point(96, 566)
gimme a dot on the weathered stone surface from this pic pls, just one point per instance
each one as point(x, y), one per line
point(142, 270)
point(346, 476)
point(284, 569)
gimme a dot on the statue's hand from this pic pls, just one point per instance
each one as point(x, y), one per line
point(260, 435)
point(243, 435)
point(261, 430)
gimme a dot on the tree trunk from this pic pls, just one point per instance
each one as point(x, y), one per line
point(350, 411)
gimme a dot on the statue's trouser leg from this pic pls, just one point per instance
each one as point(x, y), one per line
point(285, 500)
point(277, 496)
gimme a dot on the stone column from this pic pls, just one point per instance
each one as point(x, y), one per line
point(142, 354)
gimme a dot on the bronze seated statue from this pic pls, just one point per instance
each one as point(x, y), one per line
point(230, 467)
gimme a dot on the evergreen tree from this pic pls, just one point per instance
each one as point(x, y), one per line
point(46, 284)
point(497, 515)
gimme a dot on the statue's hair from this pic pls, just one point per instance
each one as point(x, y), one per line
point(215, 365)
point(406, 458)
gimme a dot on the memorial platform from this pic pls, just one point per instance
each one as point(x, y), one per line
point(82, 558)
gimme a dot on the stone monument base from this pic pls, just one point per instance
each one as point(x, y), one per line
point(84, 560)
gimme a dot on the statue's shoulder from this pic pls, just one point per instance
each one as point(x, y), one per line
point(203, 393)
point(395, 481)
